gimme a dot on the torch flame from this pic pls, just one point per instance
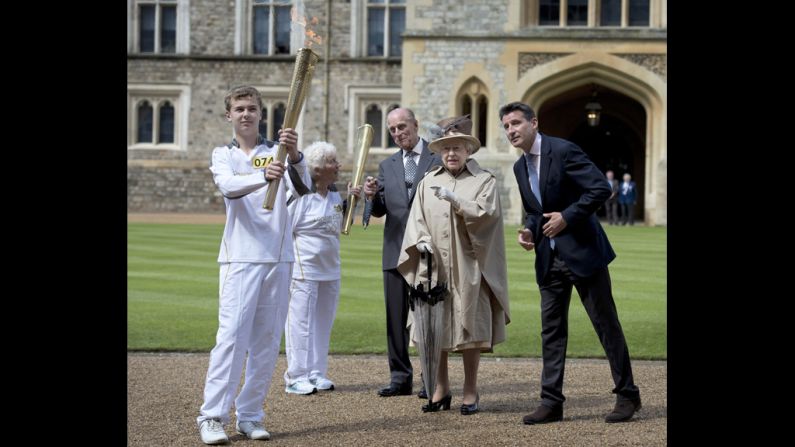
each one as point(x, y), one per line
point(300, 19)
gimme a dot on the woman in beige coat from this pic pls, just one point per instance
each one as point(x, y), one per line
point(456, 217)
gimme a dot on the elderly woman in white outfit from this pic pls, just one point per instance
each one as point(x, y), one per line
point(315, 287)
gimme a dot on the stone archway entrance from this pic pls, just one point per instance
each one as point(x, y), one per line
point(617, 143)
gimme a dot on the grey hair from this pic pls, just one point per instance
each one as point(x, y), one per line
point(318, 153)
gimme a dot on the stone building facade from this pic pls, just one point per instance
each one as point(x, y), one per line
point(438, 57)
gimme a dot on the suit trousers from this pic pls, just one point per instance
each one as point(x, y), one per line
point(596, 295)
point(397, 336)
point(628, 213)
point(611, 209)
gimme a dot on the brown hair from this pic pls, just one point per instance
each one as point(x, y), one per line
point(242, 91)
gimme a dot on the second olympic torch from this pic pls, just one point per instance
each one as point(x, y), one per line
point(305, 62)
point(364, 137)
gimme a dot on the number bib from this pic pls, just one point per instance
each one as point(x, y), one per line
point(261, 162)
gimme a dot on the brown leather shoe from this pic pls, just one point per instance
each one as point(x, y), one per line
point(543, 414)
point(624, 410)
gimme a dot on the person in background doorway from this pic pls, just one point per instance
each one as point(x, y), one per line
point(611, 204)
point(627, 197)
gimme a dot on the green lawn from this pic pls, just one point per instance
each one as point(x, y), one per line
point(172, 293)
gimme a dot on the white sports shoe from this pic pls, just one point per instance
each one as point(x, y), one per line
point(252, 429)
point(212, 432)
point(322, 383)
point(300, 387)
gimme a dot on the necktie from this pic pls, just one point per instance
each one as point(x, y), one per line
point(411, 170)
point(532, 159)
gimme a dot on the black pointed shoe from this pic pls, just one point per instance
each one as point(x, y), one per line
point(395, 389)
point(624, 410)
point(543, 414)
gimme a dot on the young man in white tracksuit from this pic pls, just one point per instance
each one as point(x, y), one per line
point(255, 259)
point(315, 288)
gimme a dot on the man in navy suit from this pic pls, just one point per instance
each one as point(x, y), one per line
point(561, 191)
point(627, 197)
point(391, 195)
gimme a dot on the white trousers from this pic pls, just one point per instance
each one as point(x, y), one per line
point(313, 306)
point(253, 300)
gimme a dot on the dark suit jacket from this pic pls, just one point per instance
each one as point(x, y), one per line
point(392, 199)
point(631, 195)
point(572, 185)
point(614, 191)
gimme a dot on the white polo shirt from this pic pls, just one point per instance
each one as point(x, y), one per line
point(317, 222)
point(252, 233)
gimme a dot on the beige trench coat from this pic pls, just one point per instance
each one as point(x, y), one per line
point(468, 253)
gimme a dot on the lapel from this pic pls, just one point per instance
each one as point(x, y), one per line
point(546, 162)
point(425, 162)
point(398, 173)
point(524, 182)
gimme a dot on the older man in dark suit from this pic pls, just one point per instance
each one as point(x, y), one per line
point(391, 195)
point(561, 190)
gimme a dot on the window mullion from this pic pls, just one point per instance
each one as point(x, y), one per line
point(271, 30)
point(157, 29)
point(361, 45)
point(175, 137)
point(266, 112)
point(247, 29)
point(271, 120)
point(155, 122)
point(134, 125)
point(624, 13)
point(387, 30)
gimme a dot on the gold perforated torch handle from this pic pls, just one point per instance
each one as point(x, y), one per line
point(305, 62)
point(364, 137)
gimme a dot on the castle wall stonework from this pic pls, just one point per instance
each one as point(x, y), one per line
point(446, 43)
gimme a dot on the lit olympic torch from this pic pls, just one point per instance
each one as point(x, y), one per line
point(305, 62)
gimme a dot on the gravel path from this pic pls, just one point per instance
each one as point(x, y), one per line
point(164, 393)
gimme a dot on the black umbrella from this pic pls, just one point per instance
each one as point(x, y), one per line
point(429, 323)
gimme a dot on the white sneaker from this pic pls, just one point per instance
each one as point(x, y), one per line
point(252, 429)
point(300, 387)
point(212, 432)
point(322, 383)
